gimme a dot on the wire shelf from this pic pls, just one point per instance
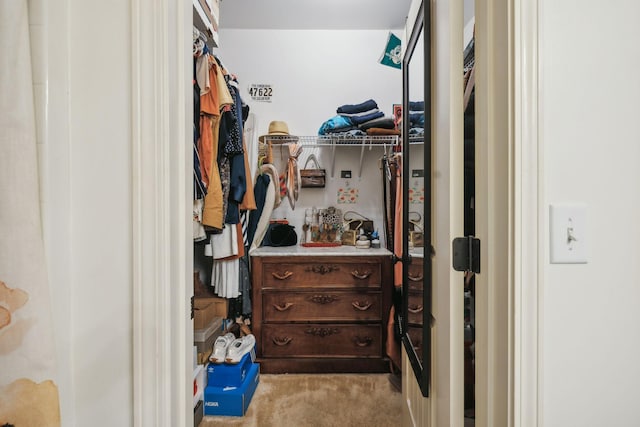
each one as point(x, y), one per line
point(416, 139)
point(331, 140)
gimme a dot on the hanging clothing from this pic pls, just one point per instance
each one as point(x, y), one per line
point(225, 244)
point(392, 345)
point(205, 149)
point(245, 285)
point(261, 187)
point(199, 189)
point(224, 278)
point(209, 106)
point(201, 70)
point(198, 230)
point(251, 145)
point(397, 234)
point(233, 145)
point(293, 179)
point(237, 189)
point(262, 216)
point(248, 202)
point(224, 96)
point(212, 215)
point(240, 242)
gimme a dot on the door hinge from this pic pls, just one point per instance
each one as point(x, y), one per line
point(466, 254)
point(193, 309)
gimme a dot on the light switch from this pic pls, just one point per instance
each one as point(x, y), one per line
point(568, 233)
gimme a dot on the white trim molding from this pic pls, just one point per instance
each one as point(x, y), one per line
point(528, 194)
point(161, 216)
point(494, 213)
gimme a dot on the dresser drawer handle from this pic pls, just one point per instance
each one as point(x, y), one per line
point(323, 269)
point(363, 342)
point(358, 306)
point(416, 278)
point(415, 309)
point(281, 341)
point(284, 276)
point(324, 299)
point(322, 332)
point(283, 307)
point(358, 275)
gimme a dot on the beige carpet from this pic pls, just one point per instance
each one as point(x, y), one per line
point(319, 400)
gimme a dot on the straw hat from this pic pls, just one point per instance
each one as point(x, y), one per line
point(278, 129)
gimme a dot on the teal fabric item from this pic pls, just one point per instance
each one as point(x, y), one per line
point(335, 124)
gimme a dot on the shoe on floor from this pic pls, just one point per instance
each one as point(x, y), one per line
point(239, 348)
point(220, 346)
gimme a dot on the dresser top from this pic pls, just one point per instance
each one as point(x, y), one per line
point(318, 251)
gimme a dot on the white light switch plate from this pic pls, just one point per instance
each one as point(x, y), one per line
point(568, 233)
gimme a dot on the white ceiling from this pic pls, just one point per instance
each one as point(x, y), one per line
point(314, 14)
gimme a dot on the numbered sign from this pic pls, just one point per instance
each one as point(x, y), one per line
point(261, 92)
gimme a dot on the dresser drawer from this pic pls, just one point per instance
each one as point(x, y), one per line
point(337, 273)
point(415, 276)
point(321, 340)
point(415, 308)
point(415, 335)
point(322, 305)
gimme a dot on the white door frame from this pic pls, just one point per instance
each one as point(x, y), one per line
point(162, 117)
point(494, 174)
point(508, 294)
point(162, 243)
point(527, 219)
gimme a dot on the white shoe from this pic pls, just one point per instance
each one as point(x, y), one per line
point(220, 346)
point(239, 348)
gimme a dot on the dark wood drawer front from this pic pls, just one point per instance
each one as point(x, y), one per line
point(336, 274)
point(415, 276)
point(322, 305)
point(415, 308)
point(321, 340)
point(415, 335)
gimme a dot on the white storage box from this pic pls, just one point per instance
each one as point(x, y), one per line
point(203, 338)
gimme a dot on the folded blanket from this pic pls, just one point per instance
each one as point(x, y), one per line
point(382, 131)
point(416, 119)
point(364, 113)
point(346, 137)
point(336, 124)
point(363, 119)
point(416, 105)
point(382, 122)
point(357, 108)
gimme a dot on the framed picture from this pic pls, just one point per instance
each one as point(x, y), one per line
point(397, 116)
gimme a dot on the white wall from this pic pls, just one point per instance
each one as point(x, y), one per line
point(589, 115)
point(84, 137)
point(100, 139)
point(314, 72)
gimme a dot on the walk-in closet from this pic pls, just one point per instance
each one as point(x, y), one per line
point(301, 212)
point(317, 110)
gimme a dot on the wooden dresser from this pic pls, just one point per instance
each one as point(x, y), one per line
point(321, 310)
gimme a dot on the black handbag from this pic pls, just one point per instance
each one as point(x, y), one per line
point(279, 234)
